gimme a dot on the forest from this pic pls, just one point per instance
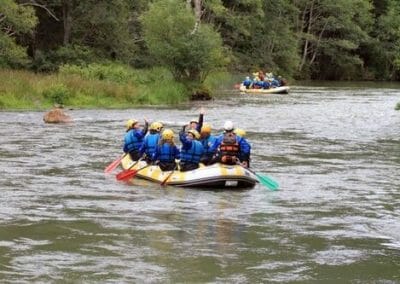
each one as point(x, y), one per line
point(109, 53)
point(298, 39)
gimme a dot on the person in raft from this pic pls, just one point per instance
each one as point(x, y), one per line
point(134, 137)
point(197, 124)
point(150, 142)
point(207, 140)
point(244, 156)
point(229, 147)
point(248, 83)
point(166, 151)
point(191, 149)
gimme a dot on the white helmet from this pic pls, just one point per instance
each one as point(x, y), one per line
point(228, 126)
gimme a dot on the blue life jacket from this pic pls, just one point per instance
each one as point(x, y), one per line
point(150, 144)
point(167, 153)
point(133, 140)
point(259, 84)
point(208, 144)
point(193, 154)
point(245, 148)
point(247, 83)
point(275, 83)
point(266, 85)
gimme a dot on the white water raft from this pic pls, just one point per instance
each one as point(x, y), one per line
point(214, 176)
point(277, 90)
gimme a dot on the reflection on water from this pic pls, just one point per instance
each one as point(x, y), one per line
point(334, 150)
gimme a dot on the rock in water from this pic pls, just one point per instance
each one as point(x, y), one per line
point(56, 115)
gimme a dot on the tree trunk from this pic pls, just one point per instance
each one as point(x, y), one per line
point(309, 26)
point(197, 13)
point(67, 20)
point(318, 43)
point(189, 4)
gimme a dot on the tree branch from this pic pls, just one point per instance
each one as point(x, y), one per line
point(2, 17)
point(34, 3)
point(318, 43)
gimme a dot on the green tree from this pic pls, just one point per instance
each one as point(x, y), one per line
point(330, 34)
point(382, 54)
point(275, 40)
point(260, 33)
point(104, 26)
point(82, 32)
point(15, 20)
point(189, 50)
point(238, 22)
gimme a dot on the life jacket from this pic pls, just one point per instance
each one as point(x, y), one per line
point(247, 83)
point(266, 85)
point(245, 149)
point(133, 140)
point(229, 148)
point(207, 145)
point(150, 143)
point(193, 154)
point(166, 153)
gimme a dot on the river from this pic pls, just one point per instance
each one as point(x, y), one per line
point(336, 218)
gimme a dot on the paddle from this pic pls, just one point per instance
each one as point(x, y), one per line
point(114, 164)
point(265, 180)
point(164, 182)
point(128, 173)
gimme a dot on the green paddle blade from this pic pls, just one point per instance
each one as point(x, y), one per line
point(267, 181)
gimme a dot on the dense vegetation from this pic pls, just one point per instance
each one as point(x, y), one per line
point(302, 39)
point(95, 85)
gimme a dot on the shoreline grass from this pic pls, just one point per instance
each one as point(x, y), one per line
point(97, 86)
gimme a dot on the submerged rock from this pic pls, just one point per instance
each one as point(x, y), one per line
point(56, 115)
point(201, 95)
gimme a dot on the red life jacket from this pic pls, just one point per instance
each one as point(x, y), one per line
point(229, 149)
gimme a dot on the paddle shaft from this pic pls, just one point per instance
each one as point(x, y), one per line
point(114, 164)
point(135, 163)
point(128, 174)
point(125, 174)
point(167, 178)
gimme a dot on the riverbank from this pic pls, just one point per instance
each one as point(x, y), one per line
point(95, 86)
point(113, 87)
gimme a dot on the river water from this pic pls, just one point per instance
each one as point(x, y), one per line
point(336, 218)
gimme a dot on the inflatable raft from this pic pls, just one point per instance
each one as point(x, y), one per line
point(277, 90)
point(214, 176)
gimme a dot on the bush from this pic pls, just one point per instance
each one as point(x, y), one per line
point(398, 106)
point(52, 60)
point(109, 72)
point(190, 54)
point(57, 94)
point(11, 54)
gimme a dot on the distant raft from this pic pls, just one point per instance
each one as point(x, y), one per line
point(214, 176)
point(277, 90)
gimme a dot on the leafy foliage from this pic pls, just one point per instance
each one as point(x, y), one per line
point(189, 52)
point(331, 33)
point(317, 39)
point(384, 49)
point(104, 26)
point(57, 94)
point(14, 20)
